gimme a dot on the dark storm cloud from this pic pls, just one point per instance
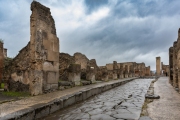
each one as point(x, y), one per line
point(93, 5)
point(114, 30)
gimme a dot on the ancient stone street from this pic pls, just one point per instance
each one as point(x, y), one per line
point(168, 106)
point(120, 103)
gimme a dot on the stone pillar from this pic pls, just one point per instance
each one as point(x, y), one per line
point(121, 71)
point(171, 65)
point(131, 70)
point(126, 71)
point(1, 61)
point(90, 75)
point(175, 67)
point(74, 74)
point(158, 66)
point(44, 50)
point(115, 76)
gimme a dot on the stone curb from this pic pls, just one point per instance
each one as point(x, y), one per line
point(41, 110)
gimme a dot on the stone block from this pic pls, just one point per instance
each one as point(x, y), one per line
point(69, 100)
point(56, 45)
point(84, 95)
point(56, 105)
point(51, 77)
point(91, 77)
point(52, 56)
point(46, 44)
point(74, 68)
point(74, 77)
point(115, 76)
point(78, 97)
point(41, 110)
point(36, 83)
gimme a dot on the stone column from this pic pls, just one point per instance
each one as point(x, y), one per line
point(90, 75)
point(121, 71)
point(158, 66)
point(74, 73)
point(126, 71)
point(171, 65)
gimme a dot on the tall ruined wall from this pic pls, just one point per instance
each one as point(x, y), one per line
point(1, 60)
point(64, 62)
point(37, 65)
point(175, 72)
point(44, 45)
point(171, 65)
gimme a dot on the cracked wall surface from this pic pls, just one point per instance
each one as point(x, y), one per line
point(37, 65)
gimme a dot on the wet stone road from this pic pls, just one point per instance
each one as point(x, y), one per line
point(121, 103)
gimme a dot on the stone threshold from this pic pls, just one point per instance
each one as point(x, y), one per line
point(40, 106)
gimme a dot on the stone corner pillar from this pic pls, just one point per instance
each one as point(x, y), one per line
point(44, 50)
point(74, 74)
point(91, 74)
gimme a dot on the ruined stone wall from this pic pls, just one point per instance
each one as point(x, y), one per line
point(64, 62)
point(178, 59)
point(102, 73)
point(171, 65)
point(109, 66)
point(147, 71)
point(175, 68)
point(37, 65)
point(139, 69)
point(44, 45)
point(81, 59)
point(1, 61)
point(165, 69)
point(18, 70)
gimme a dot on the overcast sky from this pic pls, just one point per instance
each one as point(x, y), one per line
point(107, 30)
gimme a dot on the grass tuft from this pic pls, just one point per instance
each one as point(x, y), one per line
point(16, 94)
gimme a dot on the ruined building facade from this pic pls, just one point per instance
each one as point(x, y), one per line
point(1, 61)
point(36, 67)
point(39, 66)
point(174, 63)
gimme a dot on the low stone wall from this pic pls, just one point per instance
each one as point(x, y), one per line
point(42, 110)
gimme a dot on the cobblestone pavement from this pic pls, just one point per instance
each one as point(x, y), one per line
point(121, 103)
point(168, 106)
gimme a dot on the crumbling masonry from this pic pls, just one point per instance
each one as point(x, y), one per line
point(36, 67)
point(174, 63)
point(39, 66)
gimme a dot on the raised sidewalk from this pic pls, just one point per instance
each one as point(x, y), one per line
point(39, 106)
